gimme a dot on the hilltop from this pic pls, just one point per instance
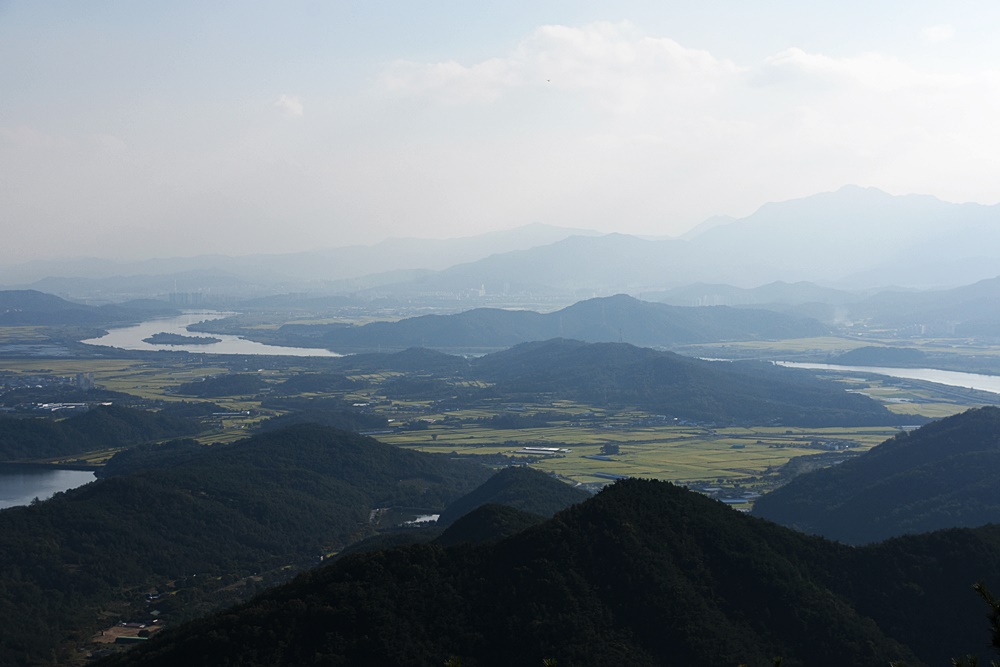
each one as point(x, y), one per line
point(644, 573)
point(519, 487)
point(102, 427)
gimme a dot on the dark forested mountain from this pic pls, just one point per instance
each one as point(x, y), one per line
point(642, 574)
point(618, 374)
point(519, 487)
point(942, 475)
point(488, 523)
point(103, 427)
point(617, 318)
point(31, 307)
point(176, 518)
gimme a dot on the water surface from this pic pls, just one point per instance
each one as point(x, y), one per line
point(131, 338)
point(19, 485)
point(990, 383)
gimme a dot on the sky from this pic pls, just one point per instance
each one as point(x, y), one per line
point(143, 129)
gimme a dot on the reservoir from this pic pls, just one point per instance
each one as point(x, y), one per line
point(131, 338)
point(19, 485)
point(990, 383)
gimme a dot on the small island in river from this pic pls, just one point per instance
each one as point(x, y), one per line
point(164, 338)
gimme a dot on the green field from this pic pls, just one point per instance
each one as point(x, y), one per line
point(750, 457)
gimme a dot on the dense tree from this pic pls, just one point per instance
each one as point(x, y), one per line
point(644, 574)
point(940, 476)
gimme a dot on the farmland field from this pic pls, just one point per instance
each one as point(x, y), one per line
point(644, 445)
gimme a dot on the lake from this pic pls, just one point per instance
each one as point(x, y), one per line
point(990, 383)
point(131, 338)
point(19, 485)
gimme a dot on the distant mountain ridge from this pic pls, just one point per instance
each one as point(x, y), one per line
point(620, 374)
point(855, 237)
point(332, 264)
point(967, 310)
point(606, 319)
point(31, 307)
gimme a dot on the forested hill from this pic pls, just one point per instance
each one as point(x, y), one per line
point(616, 318)
point(619, 374)
point(942, 475)
point(189, 520)
point(519, 487)
point(31, 307)
point(103, 427)
point(642, 574)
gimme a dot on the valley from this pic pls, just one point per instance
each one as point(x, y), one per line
point(649, 445)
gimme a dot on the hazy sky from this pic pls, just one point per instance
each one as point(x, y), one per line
point(139, 129)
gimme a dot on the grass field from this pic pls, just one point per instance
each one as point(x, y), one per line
point(749, 456)
point(24, 334)
point(689, 455)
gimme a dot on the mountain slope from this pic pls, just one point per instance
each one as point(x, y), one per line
point(608, 319)
point(943, 475)
point(621, 375)
point(103, 427)
point(859, 237)
point(31, 307)
point(642, 574)
point(522, 488)
point(189, 519)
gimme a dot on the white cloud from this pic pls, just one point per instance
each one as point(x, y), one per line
point(938, 33)
point(291, 105)
point(599, 125)
point(611, 63)
point(647, 128)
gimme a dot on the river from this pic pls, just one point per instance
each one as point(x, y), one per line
point(131, 338)
point(990, 383)
point(19, 485)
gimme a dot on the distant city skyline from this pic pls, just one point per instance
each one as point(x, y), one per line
point(141, 130)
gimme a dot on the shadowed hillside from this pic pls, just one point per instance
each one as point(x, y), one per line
point(665, 383)
point(942, 475)
point(609, 319)
point(519, 487)
point(188, 520)
point(642, 574)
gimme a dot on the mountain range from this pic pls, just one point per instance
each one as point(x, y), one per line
point(607, 319)
point(854, 238)
point(333, 264)
point(31, 308)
